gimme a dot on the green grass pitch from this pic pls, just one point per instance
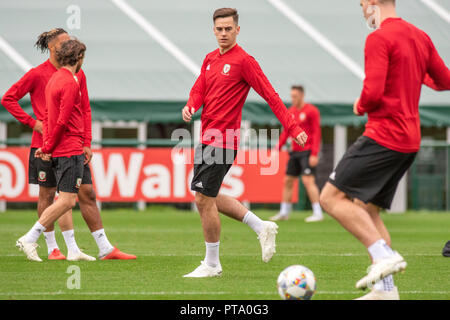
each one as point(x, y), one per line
point(169, 243)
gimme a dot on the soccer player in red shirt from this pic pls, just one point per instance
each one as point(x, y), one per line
point(40, 172)
point(226, 76)
point(399, 58)
point(302, 160)
point(60, 122)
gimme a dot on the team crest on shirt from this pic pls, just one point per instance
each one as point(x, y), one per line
point(226, 70)
point(42, 176)
point(78, 183)
point(302, 116)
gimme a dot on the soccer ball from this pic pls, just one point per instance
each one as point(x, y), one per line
point(296, 283)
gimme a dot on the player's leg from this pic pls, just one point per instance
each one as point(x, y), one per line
point(91, 215)
point(309, 181)
point(368, 172)
point(286, 204)
point(266, 230)
point(352, 217)
point(27, 243)
point(209, 216)
point(211, 164)
point(293, 171)
point(385, 288)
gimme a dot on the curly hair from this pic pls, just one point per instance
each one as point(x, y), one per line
point(70, 52)
point(46, 37)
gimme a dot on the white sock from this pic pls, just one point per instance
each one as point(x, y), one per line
point(317, 210)
point(69, 238)
point(285, 208)
point(379, 250)
point(253, 221)
point(34, 233)
point(50, 240)
point(103, 244)
point(212, 254)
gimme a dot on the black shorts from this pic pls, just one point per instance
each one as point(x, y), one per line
point(299, 164)
point(370, 172)
point(71, 173)
point(40, 172)
point(211, 164)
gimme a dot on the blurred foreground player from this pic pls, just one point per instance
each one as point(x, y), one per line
point(226, 76)
point(399, 58)
point(63, 134)
point(302, 160)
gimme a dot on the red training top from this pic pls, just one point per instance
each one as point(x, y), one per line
point(222, 89)
point(34, 82)
point(399, 58)
point(307, 117)
point(64, 117)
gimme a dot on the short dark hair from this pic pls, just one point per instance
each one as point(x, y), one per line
point(298, 87)
point(226, 12)
point(46, 37)
point(70, 52)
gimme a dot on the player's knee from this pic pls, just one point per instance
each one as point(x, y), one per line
point(202, 201)
point(308, 181)
point(69, 201)
point(47, 195)
point(87, 194)
point(289, 181)
point(325, 199)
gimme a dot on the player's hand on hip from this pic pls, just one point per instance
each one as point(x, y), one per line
point(87, 155)
point(301, 138)
point(187, 113)
point(38, 126)
point(355, 108)
point(313, 161)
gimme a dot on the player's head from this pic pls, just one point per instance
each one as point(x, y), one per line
point(71, 53)
point(297, 95)
point(367, 4)
point(226, 26)
point(50, 40)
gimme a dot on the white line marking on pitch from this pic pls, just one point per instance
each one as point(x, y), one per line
point(143, 293)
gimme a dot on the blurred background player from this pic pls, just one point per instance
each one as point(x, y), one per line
point(399, 58)
point(226, 76)
point(71, 139)
point(302, 160)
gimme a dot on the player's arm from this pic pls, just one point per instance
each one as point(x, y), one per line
point(316, 138)
point(438, 75)
point(196, 96)
point(67, 103)
point(10, 101)
point(87, 118)
point(283, 138)
point(376, 68)
point(255, 77)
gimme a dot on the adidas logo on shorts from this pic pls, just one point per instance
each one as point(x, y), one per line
point(333, 175)
point(199, 185)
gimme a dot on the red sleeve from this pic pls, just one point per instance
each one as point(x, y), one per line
point(316, 134)
point(255, 77)
point(67, 103)
point(86, 107)
point(197, 94)
point(10, 99)
point(438, 75)
point(376, 68)
point(283, 138)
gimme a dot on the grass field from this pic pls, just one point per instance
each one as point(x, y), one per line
point(169, 243)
